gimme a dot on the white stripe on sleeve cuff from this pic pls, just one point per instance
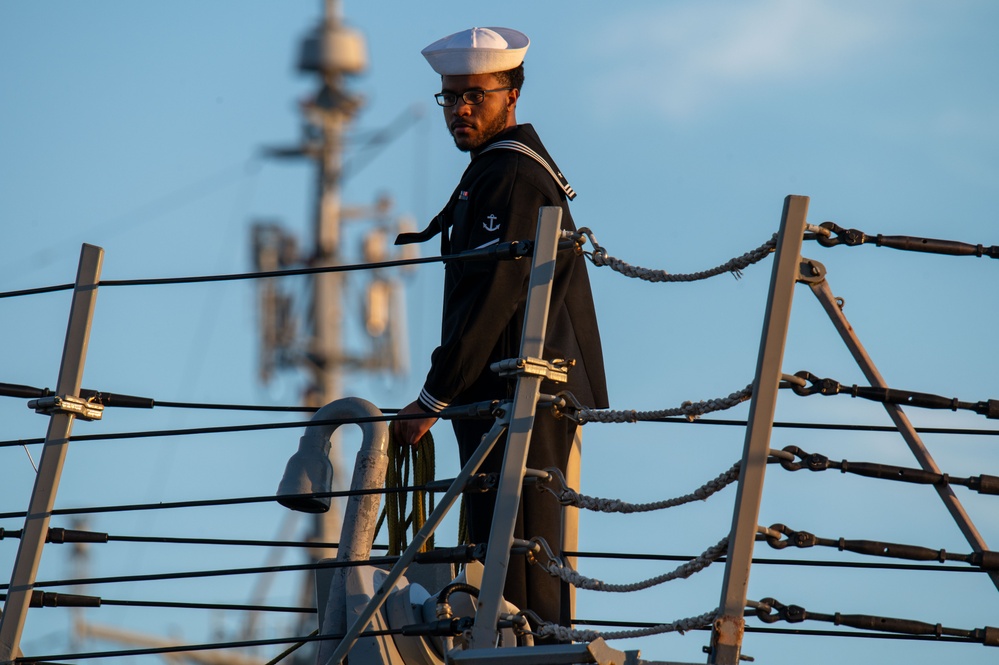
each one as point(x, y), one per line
point(431, 402)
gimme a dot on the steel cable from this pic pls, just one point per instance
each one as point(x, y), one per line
point(217, 502)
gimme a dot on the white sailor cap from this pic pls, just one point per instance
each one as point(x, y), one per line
point(477, 51)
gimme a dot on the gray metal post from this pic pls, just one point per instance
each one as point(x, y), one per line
point(726, 638)
point(36, 523)
point(822, 291)
point(433, 521)
point(361, 514)
point(525, 401)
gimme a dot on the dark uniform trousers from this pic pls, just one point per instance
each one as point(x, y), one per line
point(527, 585)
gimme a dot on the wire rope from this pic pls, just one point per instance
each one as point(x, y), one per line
point(202, 503)
point(815, 563)
point(198, 606)
point(262, 274)
point(216, 646)
point(389, 416)
point(223, 572)
point(786, 631)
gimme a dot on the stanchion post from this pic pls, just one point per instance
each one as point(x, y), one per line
point(36, 523)
point(726, 637)
point(525, 401)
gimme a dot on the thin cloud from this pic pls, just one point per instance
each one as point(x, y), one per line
point(689, 57)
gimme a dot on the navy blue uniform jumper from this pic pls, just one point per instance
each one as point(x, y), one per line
point(497, 200)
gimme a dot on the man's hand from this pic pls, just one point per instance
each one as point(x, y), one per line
point(409, 432)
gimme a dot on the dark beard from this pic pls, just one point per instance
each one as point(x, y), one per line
point(494, 127)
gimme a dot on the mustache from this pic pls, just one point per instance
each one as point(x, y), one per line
point(460, 123)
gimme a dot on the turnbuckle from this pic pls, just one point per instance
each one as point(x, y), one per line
point(770, 610)
point(800, 381)
point(853, 237)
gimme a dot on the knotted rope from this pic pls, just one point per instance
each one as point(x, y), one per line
point(600, 257)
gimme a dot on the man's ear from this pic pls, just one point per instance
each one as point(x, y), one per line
point(512, 96)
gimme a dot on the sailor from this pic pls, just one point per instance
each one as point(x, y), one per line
point(510, 177)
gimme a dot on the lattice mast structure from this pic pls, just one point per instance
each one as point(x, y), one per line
point(333, 53)
point(315, 346)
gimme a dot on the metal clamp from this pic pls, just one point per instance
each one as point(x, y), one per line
point(69, 404)
point(554, 370)
point(811, 271)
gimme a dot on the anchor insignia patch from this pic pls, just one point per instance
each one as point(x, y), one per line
point(491, 225)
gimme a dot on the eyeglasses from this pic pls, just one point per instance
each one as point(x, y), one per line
point(471, 97)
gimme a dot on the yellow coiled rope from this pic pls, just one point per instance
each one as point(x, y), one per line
point(405, 461)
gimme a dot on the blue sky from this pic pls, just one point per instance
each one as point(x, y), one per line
point(682, 125)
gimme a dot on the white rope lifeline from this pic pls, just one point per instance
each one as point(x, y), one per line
point(567, 574)
point(600, 257)
point(679, 626)
point(689, 410)
point(569, 496)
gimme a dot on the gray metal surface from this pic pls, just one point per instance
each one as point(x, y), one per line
point(433, 521)
point(484, 631)
point(361, 514)
point(43, 495)
point(726, 638)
